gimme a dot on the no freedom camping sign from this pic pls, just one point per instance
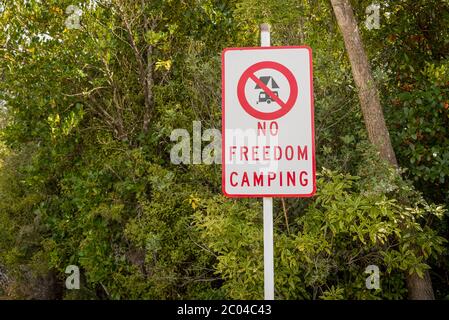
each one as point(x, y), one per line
point(268, 128)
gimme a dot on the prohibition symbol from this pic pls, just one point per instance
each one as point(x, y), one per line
point(250, 74)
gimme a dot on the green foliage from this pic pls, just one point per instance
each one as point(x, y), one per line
point(338, 236)
point(83, 182)
point(410, 54)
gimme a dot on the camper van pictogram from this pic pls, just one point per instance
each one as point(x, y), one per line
point(263, 96)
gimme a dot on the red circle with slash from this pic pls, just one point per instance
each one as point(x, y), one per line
point(250, 74)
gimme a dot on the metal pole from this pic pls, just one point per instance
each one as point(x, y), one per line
point(267, 209)
point(268, 248)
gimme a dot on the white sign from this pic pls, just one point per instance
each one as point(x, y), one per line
point(268, 127)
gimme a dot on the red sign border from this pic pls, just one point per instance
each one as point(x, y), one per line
point(223, 163)
point(267, 65)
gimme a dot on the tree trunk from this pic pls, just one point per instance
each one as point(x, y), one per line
point(368, 94)
point(418, 288)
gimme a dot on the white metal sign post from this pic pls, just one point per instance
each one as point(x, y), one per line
point(268, 129)
point(268, 247)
